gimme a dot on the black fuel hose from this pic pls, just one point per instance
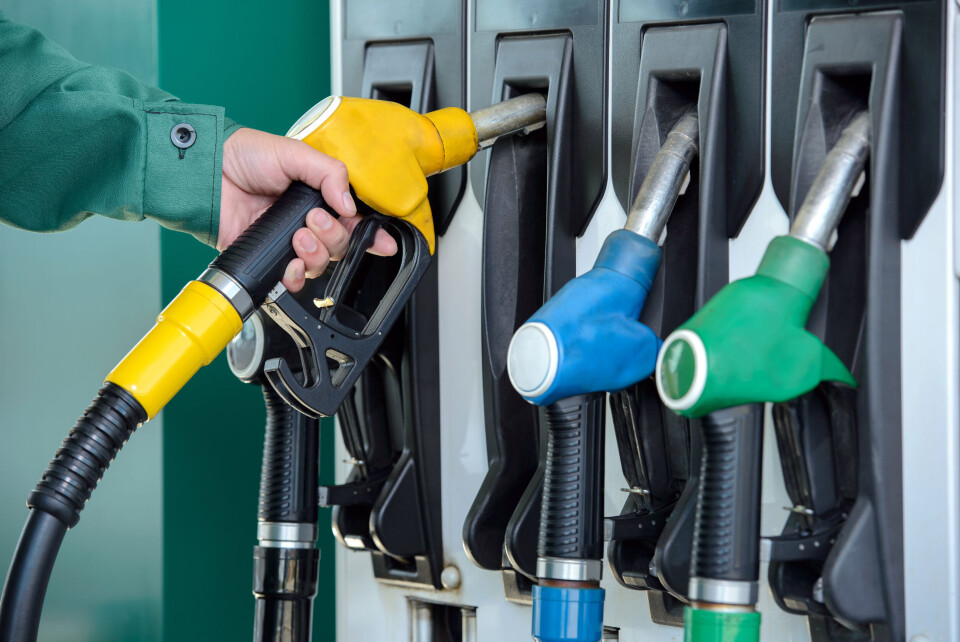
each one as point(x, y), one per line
point(56, 502)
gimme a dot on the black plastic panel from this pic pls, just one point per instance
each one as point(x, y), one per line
point(851, 63)
point(734, 97)
point(508, 15)
point(410, 53)
point(502, 59)
point(538, 192)
point(921, 94)
point(659, 10)
point(413, 51)
point(661, 70)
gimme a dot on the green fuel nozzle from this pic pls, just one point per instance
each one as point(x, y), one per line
point(749, 343)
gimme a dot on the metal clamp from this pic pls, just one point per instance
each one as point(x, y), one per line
point(702, 589)
point(229, 288)
point(569, 570)
point(286, 534)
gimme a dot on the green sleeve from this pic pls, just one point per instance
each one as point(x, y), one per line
point(78, 140)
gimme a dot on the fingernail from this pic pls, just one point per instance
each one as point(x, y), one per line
point(323, 220)
point(294, 272)
point(308, 243)
point(348, 203)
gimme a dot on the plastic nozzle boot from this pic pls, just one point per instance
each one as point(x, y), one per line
point(567, 614)
point(587, 338)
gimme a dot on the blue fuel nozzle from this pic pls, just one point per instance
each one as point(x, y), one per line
point(587, 338)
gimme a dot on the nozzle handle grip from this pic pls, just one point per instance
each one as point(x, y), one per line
point(571, 517)
point(259, 256)
point(288, 478)
point(726, 539)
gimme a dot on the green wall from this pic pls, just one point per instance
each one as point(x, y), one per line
point(266, 63)
point(164, 549)
point(71, 305)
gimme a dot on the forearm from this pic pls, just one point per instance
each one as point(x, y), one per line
point(78, 140)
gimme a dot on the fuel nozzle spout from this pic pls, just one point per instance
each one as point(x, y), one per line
point(524, 113)
point(834, 185)
point(666, 179)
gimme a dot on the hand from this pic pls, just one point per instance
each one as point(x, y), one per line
point(258, 167)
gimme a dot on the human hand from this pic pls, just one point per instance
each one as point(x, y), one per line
point(258, 167)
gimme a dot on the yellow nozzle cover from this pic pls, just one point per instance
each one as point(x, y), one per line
point(389, 150)
point(190, 333)
point(458, 134)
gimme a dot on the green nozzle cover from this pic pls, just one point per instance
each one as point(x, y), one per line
point(754, 337)
point(701, 625)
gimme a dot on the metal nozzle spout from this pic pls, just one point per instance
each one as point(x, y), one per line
point(664, 182)
point(523, 113)
point(834, 185)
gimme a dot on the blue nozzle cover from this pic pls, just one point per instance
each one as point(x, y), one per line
point(567, 614)
point(600, 344)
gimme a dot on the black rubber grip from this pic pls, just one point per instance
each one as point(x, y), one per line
point(86, 453)
point(726, 535)
point(284, 583)
point(571, 517)
point(259, 256)
point(288, 478)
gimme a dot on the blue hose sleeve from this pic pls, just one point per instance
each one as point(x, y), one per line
point(567, 614)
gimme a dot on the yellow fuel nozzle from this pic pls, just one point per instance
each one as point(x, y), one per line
point(390, 150)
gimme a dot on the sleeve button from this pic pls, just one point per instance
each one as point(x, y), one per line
point(183, 135)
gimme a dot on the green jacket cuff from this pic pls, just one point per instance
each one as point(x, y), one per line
point(229, 126)
point(182, 178)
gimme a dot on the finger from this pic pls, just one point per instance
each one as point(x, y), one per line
point(294, 276)
point(313, 253)
point(331, 233)
point(383, 243)
point(303, 163)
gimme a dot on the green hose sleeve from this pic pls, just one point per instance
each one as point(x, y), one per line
point(702, 625)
